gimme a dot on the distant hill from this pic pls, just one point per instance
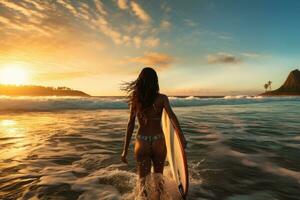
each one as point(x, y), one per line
point(29, 90)
point(291, 86)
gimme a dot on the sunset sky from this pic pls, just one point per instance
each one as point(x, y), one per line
point(199, 47)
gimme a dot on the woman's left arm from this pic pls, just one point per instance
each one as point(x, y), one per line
point(129, 131)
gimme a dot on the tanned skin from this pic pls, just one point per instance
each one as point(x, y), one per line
point(153, 127)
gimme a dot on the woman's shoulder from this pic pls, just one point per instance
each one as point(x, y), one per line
point(162, 96)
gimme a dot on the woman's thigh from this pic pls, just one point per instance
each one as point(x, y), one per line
point(142, 152)
point(159, 152)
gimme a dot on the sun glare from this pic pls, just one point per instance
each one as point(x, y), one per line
point(13, 74)
point(7, 122)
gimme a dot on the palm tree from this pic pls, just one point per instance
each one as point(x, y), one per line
point(270, 85)
point(266, 85)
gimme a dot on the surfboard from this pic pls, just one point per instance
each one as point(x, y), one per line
point(176, 156)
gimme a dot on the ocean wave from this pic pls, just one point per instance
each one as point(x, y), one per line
point(243, 97)
point(60, 103)
point(33, 104)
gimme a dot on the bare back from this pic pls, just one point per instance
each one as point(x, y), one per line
point(152, 124)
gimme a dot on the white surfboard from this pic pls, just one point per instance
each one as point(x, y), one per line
point(176, 156)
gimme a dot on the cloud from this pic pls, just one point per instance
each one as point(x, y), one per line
point(224, 37)
point(152, 42)
point(189, 23)
point(222, 58)
point(166, 7)
point(98, 22)
point(107, 30)
point(140, 12)
point(4, 20)
point(21, 9)
point(165, 25)
point(123, 4)
point(137, 41)
point(23, 16)
point(100, 7)
point(68, 6)
point(153, 59)
point(35, 4)
point(251, 55)
point(82, 10)
point(48, 18)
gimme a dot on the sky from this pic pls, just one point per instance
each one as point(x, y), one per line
point(197, 47)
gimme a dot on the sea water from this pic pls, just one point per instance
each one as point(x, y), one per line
point(239, 148)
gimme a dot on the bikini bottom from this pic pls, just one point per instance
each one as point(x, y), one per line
point(150, 138)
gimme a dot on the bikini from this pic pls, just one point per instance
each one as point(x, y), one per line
point(151, 138)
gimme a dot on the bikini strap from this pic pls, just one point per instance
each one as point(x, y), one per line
point(154, 107)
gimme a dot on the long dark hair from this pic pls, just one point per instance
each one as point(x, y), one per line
point(142, 91)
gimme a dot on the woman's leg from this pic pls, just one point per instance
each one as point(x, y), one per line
point(159, 153)
point(142, 152)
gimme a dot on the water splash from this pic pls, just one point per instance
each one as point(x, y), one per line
point(152, 187)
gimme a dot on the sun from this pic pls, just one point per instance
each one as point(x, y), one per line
point(13, 74)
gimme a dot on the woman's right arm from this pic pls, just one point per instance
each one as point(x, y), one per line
point(173, 119)
point(129, 131)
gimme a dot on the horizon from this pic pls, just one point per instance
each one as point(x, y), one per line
point(199, 48)
point(61, 87)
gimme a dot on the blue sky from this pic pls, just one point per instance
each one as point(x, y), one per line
point(198, 47)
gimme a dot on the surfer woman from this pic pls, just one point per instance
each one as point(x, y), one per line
point(147, 104)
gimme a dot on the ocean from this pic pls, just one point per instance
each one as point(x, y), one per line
point(239, 148)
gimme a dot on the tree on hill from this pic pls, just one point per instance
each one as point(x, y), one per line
point(268, 85)
point(32, 90)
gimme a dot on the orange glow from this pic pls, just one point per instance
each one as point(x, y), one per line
point(13, 74)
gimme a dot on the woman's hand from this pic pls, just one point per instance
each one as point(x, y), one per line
point(124, 157)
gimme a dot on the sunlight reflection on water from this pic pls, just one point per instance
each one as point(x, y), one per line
point(243, 151)
point(7, 122)
point(13, 139)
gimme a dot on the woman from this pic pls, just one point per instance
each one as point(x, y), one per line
point(147, 104)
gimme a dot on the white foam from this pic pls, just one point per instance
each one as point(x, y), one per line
point(32, 104)
point(105, 193)
point(243, 97)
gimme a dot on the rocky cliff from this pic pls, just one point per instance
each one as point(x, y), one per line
point(290, 87)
